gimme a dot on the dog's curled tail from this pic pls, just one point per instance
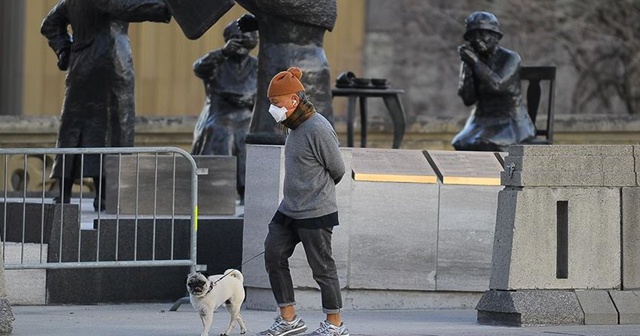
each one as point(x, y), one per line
point(234, 273)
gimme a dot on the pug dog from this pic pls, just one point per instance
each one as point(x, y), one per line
point(207, 293)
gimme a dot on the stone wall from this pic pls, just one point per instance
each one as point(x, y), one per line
point(414, 45)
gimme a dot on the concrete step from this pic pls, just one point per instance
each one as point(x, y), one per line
point(25, 287)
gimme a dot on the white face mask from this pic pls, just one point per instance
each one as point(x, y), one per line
point(278, 113)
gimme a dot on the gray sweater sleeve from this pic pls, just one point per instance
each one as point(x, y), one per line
point(329, 156)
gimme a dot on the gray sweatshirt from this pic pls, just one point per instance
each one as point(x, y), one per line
point(313, 166)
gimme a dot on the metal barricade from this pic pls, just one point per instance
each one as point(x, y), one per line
point(76, 232)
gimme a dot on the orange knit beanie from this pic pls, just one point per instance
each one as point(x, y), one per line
point(285, 82)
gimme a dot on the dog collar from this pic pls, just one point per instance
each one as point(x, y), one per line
point(210, 288)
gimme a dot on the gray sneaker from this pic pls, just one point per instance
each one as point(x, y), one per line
point(283, 328)
point(328, 329)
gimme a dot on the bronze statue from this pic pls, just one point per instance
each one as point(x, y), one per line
point(230, 79)
point(490, 79)
point(291, 34)
point(98, 108)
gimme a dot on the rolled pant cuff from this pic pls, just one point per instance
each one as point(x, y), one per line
point(286, 304)
point(331, 311)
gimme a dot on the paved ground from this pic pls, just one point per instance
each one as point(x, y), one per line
point(156, 320)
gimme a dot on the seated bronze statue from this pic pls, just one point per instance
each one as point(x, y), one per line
point(490, 80)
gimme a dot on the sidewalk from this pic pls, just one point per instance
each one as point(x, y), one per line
point(156, 320)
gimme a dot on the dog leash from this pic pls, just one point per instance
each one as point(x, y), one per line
point(240, 266)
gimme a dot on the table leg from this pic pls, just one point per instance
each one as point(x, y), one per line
point(394, 105)
point(351, 106)
point(363, 122)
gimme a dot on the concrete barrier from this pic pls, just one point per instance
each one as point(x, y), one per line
point(566, 241)
point(406, 240)
point(469, 183)
point(219, 248)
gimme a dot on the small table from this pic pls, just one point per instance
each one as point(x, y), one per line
point(391, 100)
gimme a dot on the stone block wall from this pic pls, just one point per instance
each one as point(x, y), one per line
point(566, 243)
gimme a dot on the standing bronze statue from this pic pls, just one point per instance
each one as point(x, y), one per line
point(291, 34)
point(490, 80)
point(98, 108)
point(230, 79)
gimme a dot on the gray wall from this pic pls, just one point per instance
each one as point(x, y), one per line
point(414, 44)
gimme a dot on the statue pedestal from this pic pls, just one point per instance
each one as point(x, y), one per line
point(150, 185)
point(397, 246)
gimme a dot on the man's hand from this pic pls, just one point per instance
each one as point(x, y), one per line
point(231, 47)
point(63, 60)
point(467, 54)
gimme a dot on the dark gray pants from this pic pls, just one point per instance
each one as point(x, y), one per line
point(279, 246)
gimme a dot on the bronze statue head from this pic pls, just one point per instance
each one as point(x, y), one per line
point(482, 33)
point(247, 40)
point(482, 21)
